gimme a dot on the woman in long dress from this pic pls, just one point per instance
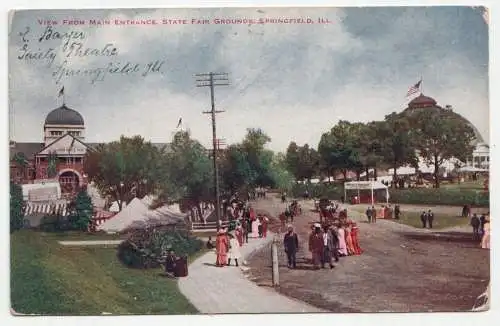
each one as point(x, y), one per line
point(221, 248)
point(355, 239)
point(234, 250)
point(342, 244)
point(348, 240)
point(485, 242)
point(255, 228)
point(239, 234)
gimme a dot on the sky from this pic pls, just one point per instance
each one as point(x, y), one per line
point(295, 81)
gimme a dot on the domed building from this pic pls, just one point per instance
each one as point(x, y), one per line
point(59, 157)
point(480, 155)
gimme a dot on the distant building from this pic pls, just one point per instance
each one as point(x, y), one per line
point(481, 154)
point(64, 143)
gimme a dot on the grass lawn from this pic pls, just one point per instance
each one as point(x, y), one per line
point(412, 218)
point(441, 220)
point(474, 185)
point(50, 279)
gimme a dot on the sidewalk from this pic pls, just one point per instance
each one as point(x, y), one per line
point(216, 290)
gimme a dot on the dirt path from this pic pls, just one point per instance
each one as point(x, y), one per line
point(403, 269)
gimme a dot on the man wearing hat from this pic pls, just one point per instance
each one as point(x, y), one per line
point(316, 245)
point(291, 244)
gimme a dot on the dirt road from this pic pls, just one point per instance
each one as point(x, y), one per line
point(402, 269)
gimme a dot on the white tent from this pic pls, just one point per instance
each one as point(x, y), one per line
point(137, 215)
point(134, 211)
point(471, 169)
point(115, 208)
point(366, 185)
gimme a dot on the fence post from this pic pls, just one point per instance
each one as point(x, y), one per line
point(275, 262)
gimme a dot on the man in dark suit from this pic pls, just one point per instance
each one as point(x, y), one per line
point(423, 218)
point(430, 218)
point(291, 244)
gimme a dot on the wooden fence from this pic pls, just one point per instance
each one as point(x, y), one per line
point(206, 227)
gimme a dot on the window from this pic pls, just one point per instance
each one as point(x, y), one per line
point(56, 133)
point(75, 133)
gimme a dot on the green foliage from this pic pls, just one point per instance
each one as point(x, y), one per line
point(50, 279)
point(440, 196)
point(144, 248)
point(20, 159)
point(55, 223)
point(338, 147)
point(16, 207)
point(441, 135)
point(125, 168)
point(251, 164)
point(302, 161)
point(52, 166)
point(81, 210)
point(417, 196)
point(186, 170)
point(319, 190)
point(396, 142)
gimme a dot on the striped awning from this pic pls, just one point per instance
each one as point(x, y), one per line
point(103, 214)
point(46, 208)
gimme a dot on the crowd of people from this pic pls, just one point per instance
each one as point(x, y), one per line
point(481, 229)
point(335, 238)
point(244, 223)
point(385, 212)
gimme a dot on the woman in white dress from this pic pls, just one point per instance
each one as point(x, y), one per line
point(255, 228)
point(485, 241)
point(234, 250)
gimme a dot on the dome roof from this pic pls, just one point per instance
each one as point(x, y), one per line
point(422, 101)
point(64, 116)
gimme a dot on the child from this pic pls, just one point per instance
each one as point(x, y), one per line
point(210, 244)
point(234, 250)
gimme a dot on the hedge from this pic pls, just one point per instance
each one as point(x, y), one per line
point(143, 248)
point(417, 196)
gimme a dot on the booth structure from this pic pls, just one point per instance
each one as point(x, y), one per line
point(371, 186)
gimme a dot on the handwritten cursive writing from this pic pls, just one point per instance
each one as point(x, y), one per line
point(98, 74)
point(28, 55)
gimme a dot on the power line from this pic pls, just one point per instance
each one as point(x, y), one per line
point(212, 80)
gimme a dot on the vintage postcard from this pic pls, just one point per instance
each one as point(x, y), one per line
point(249, 160)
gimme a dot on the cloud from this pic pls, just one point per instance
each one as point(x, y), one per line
point(293, 80)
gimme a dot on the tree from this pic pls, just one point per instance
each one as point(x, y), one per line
point(370, 147)
point(81, 210)
point(282, 178)
point(236, 170)
point(338, 147)
point(308, 162)
point(120, 168)
point(292, 159)
point(188, 171)
point(21, 161)
point(397, 142)
point(52, 166)
point(16, 207)
point(441, 135)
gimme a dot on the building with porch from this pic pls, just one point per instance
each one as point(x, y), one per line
point(59, 157)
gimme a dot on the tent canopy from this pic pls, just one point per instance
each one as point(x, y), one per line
point(364, 185)
point(471, 169)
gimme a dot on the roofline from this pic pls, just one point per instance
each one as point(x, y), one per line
point(58, 139)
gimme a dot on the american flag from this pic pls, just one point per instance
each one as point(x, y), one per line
point(414, 89)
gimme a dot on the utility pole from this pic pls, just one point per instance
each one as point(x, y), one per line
point(211, 80)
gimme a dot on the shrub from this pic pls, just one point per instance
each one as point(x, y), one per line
point(440, 196)
point(417, 196)
point(330, 191)
point(144, 247)
point(81, 211)
point(16, 207)
point(54, 223)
